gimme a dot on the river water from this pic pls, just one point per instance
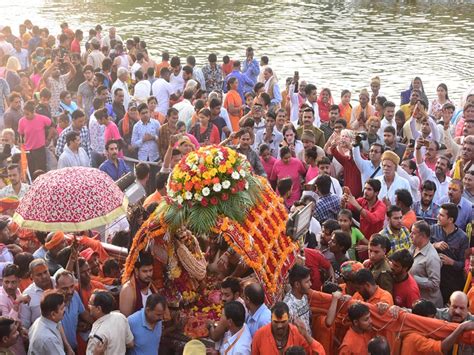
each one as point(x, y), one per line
point(337, 44)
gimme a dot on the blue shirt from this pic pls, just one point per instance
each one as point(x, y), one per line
point(251, 69)
point(327, 207)
point(245, 83)
point(115, 172)
point(457, 242)
point(22, 57)
point(71, 317)
point(366, 167)
point(430, 215)
point(261, 317)
point(464, 212)
point(147, 151)
point(147, 340)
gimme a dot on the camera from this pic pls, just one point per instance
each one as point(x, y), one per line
point(361, 136)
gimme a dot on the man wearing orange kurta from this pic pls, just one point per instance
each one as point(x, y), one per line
point(279, 335)
point(368, 291)
point(359, 334)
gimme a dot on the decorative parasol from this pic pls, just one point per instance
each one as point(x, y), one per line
point(71, 200)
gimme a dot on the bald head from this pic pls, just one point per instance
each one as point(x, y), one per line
point(459, 296)
point(458, 307)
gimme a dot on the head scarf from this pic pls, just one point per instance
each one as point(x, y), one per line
point(389, 155)
point(350, 268)
point(56, 239)
point(9, 203)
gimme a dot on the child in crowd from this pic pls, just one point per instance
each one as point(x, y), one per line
point(344, 219)
point(284, 187)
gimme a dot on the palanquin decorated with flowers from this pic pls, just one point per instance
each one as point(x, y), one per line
point(217, 220)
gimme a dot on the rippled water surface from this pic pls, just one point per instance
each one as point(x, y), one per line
point(335, 44)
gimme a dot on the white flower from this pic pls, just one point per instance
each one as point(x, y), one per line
point(188, 195)
point(197, 197)
point(235, 175)
point(205, 191)
point(180, 200)
point(246, 185)
point(226, 184)
point(217, 187)
point(242, 173)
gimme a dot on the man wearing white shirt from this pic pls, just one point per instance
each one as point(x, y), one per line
point(388, 115)
point(296, 100)
point(176, 78)
point(269, 135)
point(162, 90)
point(390, 179)
point(138, 65)
point(238, 340)
point(42, 281)
point(185, 108)
point(311, 99)
point(324, 166)
point(142, 88)
point(439, 176)
point(370, 168)
point(121, 83)
point(112, 35)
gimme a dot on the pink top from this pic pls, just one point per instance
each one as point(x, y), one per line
point(268, 165)
point(33, 130)
point(294, 170)
point(311, 173)
point(459, 128)
point(192, 139)
point(75, 46)
point(6, 304)
point(112, 133)
point(36, 78)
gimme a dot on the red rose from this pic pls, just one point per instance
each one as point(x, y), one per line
point(224, 197)
point(214, 200)
point(233, 190)
point(215, 180)
point(204, 202)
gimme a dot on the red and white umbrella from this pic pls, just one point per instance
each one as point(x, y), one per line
point(71, 200)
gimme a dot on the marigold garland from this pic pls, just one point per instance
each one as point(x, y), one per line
point(263, 234)
point(258, 238)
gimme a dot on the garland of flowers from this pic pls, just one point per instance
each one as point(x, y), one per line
point(153, 228)
point(206, 183)
point(263, 234)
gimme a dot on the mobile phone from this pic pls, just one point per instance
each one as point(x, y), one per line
point(240, 133)
point(411, 144)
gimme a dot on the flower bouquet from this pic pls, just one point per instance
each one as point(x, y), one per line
point(206, 183)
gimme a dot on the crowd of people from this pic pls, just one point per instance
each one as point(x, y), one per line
point(390, 181)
